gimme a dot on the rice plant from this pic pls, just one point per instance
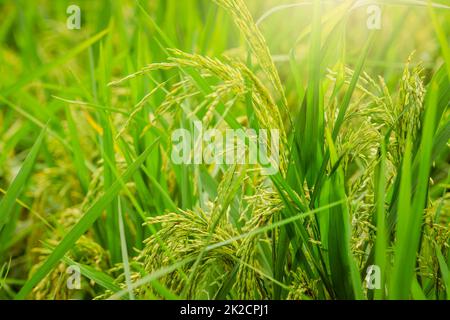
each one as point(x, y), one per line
point(355, 93)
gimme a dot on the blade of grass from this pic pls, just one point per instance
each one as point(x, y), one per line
point(442, 37)
point(344, 271)
point(399, 286)
point(17, 186)
point(444, 272)
point(123, 245)
point(381, 239)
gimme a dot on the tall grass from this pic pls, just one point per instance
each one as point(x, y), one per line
point(87, 180)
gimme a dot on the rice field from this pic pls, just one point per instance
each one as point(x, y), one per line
point(224, 149)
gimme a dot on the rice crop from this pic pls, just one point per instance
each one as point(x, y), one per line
point(317, 162)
